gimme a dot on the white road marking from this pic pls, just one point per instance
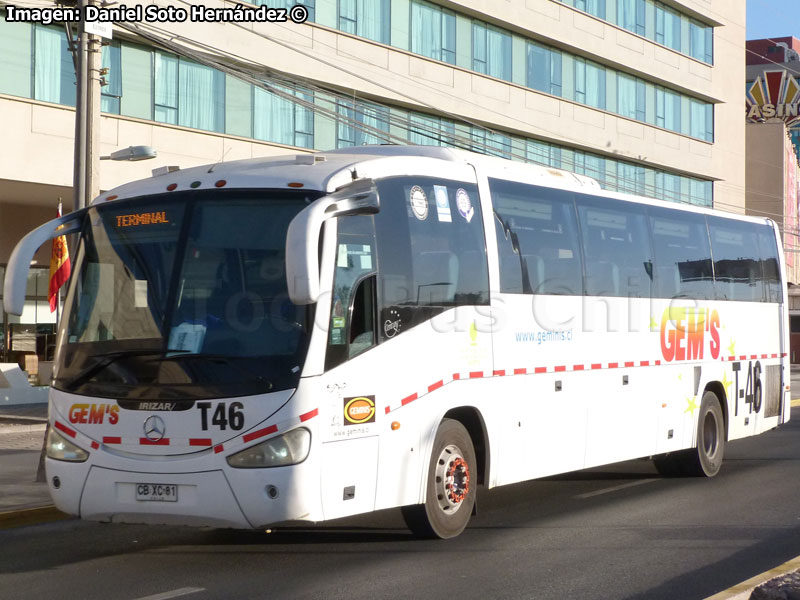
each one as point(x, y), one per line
point(173, 594)
point(614, 489)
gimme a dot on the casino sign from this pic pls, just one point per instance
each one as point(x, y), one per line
point(774, 95)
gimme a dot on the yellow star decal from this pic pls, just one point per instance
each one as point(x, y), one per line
point(680, 376)
point(726, 384)
point(692, 405)
point(732, 348)
point(653, 324)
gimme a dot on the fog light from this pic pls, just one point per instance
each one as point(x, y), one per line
point(272, 492)
point(56, 482)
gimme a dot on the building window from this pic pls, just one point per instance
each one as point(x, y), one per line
point(491, 51)
point(668, 27)
point(165, 88)
point(365, 18)
point(542, 153)
point(425, 130)
point(278, 119)
point(53, 73)
point(491, 142)
point(701, 120)
point(631, 15)
point(668, 109)
point(631, 92)
point(701, 41)
point(590, 83)
point(433, 32)
point(593, 7)
point(544, 69)
point(591, 165)
point(188, 94)
point(362, 124)
point(111, 92)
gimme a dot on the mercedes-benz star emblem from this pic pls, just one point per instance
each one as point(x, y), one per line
point(154, 428)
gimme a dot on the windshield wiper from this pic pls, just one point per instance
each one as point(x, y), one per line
point(228, 360)
point(106, 359)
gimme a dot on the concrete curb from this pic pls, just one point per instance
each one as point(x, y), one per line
point(743, 590)
point(31, 516)
point(10, 428)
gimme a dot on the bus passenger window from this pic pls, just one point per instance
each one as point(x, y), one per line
point(537, 239)
point(352, 303)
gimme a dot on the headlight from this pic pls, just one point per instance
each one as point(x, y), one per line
point(287, 449)
point(60, 448)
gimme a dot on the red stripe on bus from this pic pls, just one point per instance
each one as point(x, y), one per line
point(409, 399)
point(764, 356)
point(597, 366)
point(658, 362)
point(112, 440)
point(499, 373)
point(95, 445)
point(577, 367)
point(629, 364)
point(540, 370)
point(774, 356)
point(65, 429)
point(435, 386)
point(784, 355)
point(613, 365)
point(199, 441)
point(476, 374)
point(260, 433)
point(644, 363)
point(161, 442)
point(520, 371)
point(218, 448)
point(309, 415)
point(456, 376)
point(753, 356)
point(560, 369)
point(743, 357)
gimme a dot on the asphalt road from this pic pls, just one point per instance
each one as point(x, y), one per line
point(615, 532)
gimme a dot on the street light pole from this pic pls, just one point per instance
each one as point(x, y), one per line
point(85, 180)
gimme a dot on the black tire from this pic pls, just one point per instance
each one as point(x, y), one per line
point(451, 486)
point(706, 459)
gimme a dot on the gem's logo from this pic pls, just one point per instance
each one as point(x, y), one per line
point(359, 410)
point(686, 331)
point(94, 414)
point(777, 95)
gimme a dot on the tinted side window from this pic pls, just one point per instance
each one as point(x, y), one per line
point(616, 244)
point(537, 239)
point(431, 250)
point(737, 264)
point(682, 255)
point(770, 265)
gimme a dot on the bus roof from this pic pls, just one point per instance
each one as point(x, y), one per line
point(327, 170)
point(323, 171)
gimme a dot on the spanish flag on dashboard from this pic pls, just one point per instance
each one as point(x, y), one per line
point(59, 267)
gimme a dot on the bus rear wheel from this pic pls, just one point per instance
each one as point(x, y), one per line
point(706, 459)
point(451, 485)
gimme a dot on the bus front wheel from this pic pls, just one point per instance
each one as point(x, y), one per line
point(451, 485)
point(706, 459)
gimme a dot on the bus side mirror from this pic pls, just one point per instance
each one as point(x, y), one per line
point(302, 239)
point(16, 280)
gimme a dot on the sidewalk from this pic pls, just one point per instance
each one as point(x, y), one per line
point(21, 437)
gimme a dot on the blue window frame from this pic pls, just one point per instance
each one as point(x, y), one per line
point(366, 18)
point(433, 31)
point(491, 51)
point(544, 69)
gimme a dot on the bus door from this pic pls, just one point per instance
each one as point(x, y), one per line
point(351, 381)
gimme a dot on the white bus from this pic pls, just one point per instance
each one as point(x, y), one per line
point(316, 336)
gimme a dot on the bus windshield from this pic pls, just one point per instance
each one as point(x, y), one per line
point(184, 296)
